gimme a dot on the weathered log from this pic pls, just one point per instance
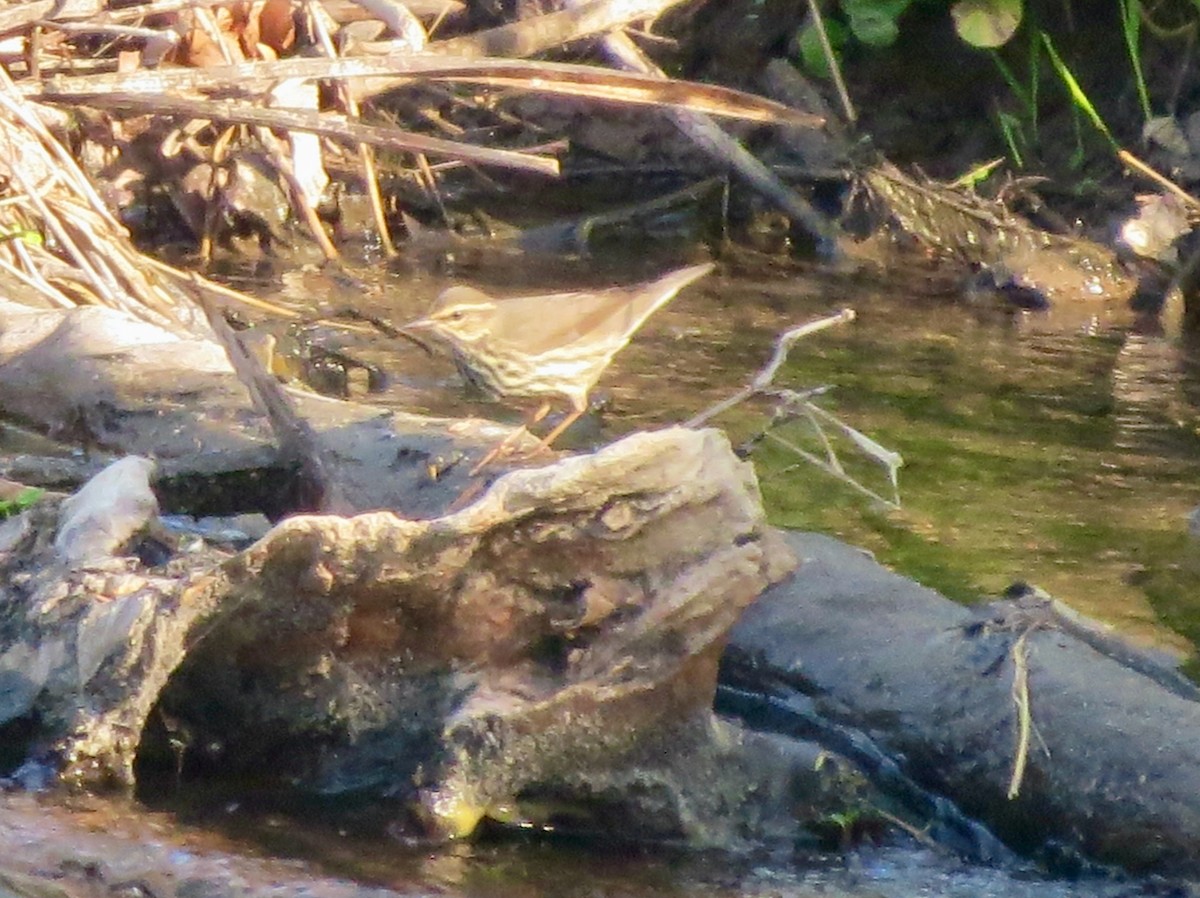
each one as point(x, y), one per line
point(96, 378)
point(932, 683)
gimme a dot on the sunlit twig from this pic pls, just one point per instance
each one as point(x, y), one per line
point(762, 380)
point(793, 404)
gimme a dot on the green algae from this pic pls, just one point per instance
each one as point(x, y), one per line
point(1020, 465)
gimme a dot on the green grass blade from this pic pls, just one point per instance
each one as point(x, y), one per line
point(1078, 96)
point(1131, 27)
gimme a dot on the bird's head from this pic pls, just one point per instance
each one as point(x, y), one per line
point(460, 315)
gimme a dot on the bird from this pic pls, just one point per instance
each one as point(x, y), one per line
point(546, 347)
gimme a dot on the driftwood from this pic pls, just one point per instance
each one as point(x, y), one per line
point(1112, 743)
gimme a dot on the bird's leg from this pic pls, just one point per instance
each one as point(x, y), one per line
point(577, 411)
point(504, 445)
point(540, 412)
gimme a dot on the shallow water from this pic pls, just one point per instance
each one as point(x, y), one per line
point(1056, 450)
point(102, 847)
point(1059, 450)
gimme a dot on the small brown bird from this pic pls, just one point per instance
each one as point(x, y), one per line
point(554, 345)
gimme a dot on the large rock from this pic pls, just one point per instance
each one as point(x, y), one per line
point(557, 639)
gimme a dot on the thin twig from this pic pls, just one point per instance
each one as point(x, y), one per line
point(221, 290)
point(1020, 696)
point(818, 22)
point(832, 470)
point(920, 834)
point(763, 379)
point(1162, 180)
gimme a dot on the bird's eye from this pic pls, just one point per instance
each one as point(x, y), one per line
point(457, 315)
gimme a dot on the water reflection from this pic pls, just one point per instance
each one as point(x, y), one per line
point(1057, 448)
point(104, 846)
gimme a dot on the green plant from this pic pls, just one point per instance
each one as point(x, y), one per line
point(25, 235)
point(1020, 131)
point(1131, 29)
point(987, 24)
point(21, 501)
point(1079, 97)
point(876, 23)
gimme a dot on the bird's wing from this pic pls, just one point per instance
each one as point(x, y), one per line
point(555, 321)
point(537, 325)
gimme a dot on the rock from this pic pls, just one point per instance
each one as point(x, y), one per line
point(557, 640)
point(541, 634)
point(101, 519)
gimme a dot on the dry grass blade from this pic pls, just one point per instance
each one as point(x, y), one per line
point(60, 239)
point(1020, 696)
point(337, 127)
point(84, 260)
point(401, 21)
point(566, 79)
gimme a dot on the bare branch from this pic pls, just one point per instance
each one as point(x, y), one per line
point(763, 379)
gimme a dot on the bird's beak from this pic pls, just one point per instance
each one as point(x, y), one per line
point(390, 330)
point(406, 332)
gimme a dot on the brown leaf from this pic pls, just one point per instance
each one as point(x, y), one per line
point(198, 49)
point(277, 26)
